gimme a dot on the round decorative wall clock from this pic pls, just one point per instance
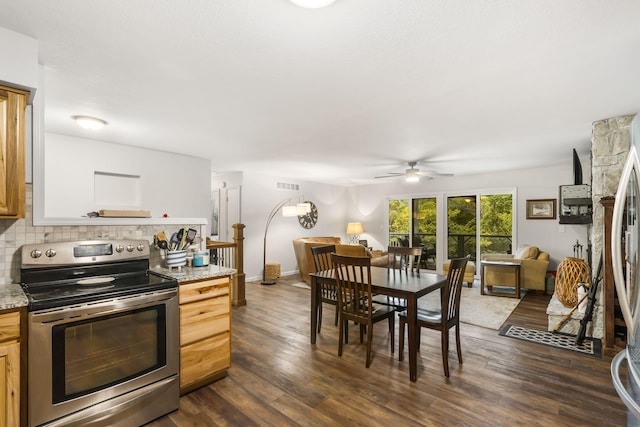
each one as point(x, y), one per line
point(310, 219)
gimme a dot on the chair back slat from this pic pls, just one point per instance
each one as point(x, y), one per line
point(353, 279)
point(452, 290)
point(402, 257)
point(322, 262)
point(322, 257)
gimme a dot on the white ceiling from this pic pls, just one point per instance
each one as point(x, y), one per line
point(344, 93)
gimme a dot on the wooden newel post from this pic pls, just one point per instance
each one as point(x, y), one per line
point(238, 295)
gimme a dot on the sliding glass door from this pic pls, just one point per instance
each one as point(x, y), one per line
point(461, 226)
point(424, 226)
point(399, 219)
point(473, 223)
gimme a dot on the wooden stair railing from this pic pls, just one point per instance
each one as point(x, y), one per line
point(231, 255)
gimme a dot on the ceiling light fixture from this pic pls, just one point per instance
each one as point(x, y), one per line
point(312, 4)
point(88, 122)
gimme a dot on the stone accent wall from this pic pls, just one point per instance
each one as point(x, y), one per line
point(16, 232)
point(609, 148)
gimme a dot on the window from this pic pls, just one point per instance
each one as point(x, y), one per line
point(399, 215)
point(461, 226)
point(496, 223)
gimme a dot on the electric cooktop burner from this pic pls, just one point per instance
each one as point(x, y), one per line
point(69, 273)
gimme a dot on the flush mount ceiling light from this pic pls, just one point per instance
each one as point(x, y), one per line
point(88, 122)
point(312, 4)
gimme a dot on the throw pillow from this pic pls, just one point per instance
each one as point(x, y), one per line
point(527, 252)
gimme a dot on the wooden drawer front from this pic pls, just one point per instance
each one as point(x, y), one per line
point(204, 358)
point(10, 326)
point(202, 319)
point(195, 291)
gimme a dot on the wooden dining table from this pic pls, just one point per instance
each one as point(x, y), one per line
point(394, 283)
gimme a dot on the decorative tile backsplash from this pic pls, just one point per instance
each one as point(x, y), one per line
point(15, 233)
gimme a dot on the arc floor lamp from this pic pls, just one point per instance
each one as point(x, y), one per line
point(288, 209)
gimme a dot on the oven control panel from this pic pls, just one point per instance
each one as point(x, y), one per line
point(83, 252)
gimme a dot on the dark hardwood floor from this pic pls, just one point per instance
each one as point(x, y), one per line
point(278, 378)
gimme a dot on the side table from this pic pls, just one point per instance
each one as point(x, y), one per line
point(501, 264)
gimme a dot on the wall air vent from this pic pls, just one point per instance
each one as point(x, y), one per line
point(287, 186)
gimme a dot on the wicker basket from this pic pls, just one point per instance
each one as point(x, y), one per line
point(272, 271)
point(571, 272)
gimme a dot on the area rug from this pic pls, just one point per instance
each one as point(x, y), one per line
point(590, 346)
point(302, 285)
point(481, 310)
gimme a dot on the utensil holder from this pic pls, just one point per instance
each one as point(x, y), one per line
point(176, 258)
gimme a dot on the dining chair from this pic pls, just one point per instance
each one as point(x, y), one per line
point(403, 257)
point(400, 257)
point(443, 319)
point(328, 291)
point(353, 280)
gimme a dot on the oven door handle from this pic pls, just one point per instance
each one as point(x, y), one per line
point(116, 305)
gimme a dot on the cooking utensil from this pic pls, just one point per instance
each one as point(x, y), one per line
point(174, 241)
point(182, 236)
point(191, 234)
point(162, 236)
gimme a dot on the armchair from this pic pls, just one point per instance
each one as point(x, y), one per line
point(302, 248)
point(533, 268)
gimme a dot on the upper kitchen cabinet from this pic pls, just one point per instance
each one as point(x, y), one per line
point(12, 161)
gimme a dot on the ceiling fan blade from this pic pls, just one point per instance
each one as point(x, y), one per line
point(413, 173)
point(434, 173)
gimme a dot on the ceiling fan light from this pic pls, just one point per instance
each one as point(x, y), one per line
point(312, 4)
point(412, 178)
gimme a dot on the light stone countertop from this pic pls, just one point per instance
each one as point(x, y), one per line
point(186, 274)
point(12, 296)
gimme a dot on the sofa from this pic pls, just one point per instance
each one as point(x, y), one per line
point(304, 257)
point(533, 268)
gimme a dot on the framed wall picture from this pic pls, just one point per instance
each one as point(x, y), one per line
point(541, 209)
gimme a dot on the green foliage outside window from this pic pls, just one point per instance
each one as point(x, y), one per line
point(495, 223)
point(399, 221)
point(461, 226)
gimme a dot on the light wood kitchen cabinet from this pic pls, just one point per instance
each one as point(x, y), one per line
point(10, 369)
point(12, 161)
point(205, 331)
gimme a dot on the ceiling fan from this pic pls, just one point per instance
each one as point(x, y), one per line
point(414, 174)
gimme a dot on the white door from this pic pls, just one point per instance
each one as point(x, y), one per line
point(233, 212)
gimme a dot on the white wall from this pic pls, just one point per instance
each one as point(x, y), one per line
point(170, 183)
point(260, 196)
point(19, 60)
point(367, 204)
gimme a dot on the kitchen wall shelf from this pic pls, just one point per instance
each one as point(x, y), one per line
point(120, 221)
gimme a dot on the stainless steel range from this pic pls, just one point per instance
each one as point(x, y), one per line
point(103, 334)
